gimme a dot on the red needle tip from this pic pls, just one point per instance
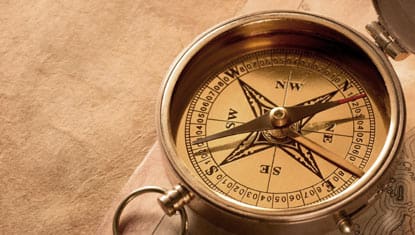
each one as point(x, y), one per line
point(352, 98)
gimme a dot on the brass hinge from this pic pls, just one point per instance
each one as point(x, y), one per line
point(386, 42)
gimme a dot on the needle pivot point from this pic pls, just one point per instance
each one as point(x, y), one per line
point(279, 117)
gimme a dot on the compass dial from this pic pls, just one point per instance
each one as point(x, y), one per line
point(265, 168)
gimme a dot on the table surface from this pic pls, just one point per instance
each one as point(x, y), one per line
point(79, 84)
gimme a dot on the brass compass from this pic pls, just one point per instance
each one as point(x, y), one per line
point(282, 131)
point(282, 122)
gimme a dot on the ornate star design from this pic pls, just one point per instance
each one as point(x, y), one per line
point(256, 142)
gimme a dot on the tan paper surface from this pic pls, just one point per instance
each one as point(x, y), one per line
point(78, 85)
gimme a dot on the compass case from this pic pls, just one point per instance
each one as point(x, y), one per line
point(273, 30)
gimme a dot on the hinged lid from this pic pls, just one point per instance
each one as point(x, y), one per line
point(397, 18)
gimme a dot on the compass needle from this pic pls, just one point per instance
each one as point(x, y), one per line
point(298, 112)
point(263, 122)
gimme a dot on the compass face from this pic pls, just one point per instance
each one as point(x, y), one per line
point(264, 168)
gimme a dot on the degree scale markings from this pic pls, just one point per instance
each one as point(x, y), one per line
point(250, 193)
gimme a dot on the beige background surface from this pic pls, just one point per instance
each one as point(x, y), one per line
point(78, 85)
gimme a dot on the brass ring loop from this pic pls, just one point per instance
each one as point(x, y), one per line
point(138, 192)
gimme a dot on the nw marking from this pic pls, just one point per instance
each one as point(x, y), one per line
point(291, 84)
